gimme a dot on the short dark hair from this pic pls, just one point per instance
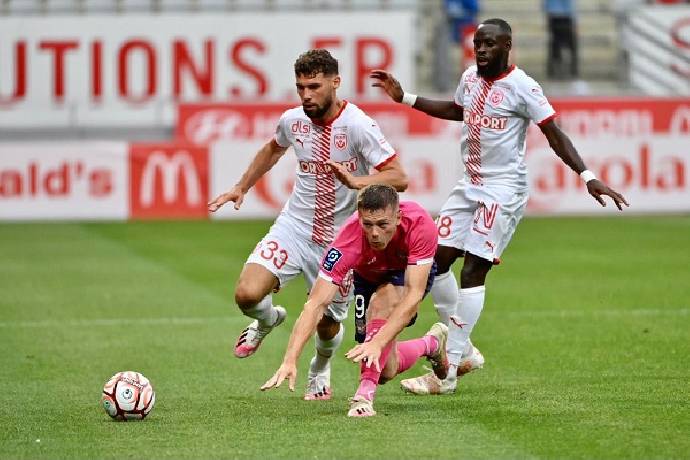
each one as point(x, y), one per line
point(314, 62)
point(377, 196)
point(503, 25)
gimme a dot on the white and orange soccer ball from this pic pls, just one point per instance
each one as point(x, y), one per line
point(128, 396)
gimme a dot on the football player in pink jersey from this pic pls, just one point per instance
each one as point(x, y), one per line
point(390, 246)
point(496, 101)
point(336, 145)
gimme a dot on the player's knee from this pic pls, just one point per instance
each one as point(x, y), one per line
point(246, 295)
point(327, 328)
point(445, 257)
point(474, 272)
point(387, 375)
point(378, 309)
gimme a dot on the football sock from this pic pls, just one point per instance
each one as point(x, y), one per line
point(461, 325)
point(325, 349)
point(468, 349)
point(410, 351)
point(263, 312)
point(444, 292)
point(369, 376)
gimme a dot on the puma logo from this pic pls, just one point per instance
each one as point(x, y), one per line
point(456, 320)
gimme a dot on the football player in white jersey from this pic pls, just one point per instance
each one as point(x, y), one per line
point(336, 145)
point(496, 101)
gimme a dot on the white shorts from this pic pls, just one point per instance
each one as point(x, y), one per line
point(286, 254)
point(482, 220)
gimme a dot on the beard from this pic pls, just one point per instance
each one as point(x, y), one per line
point(317, 113)
point(491, 69)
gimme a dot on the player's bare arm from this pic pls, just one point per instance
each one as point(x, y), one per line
point(564, 148)
point(391, 174)
point(320, 296)
point(416, 277)
point(265, 159)
point(446, 110)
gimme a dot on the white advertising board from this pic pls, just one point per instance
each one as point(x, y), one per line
point(133, 70)
point(52, 180)
point(657, 38)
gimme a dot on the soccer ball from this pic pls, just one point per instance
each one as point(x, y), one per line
point(128, 396)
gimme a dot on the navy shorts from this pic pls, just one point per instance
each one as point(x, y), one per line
point(364, 289)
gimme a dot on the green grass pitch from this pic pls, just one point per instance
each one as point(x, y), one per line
point(586, 334)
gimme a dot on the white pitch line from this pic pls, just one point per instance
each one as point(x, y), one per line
point(110, 322)
point(191, 321)
point(608, 312)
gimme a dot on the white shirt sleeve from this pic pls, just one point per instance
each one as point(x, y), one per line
point(459, 91)
point(373, 145)
point(281, 136)
point(535, 105)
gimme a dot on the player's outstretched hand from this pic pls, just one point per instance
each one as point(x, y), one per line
point(389, 84)
point(285, 371)
point(343, 175)
point(597, 188)
point(367, 352)
point(235, 195)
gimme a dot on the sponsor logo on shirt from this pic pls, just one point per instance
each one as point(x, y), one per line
point(332, 257)
point(300, 127)
point(485, 121)
point(319, 167)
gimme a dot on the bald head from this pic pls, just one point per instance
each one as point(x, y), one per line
point(502, 25)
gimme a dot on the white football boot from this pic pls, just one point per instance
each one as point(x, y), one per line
point(439, 359)
point(430, 384)
point(252, 336)
point(318, 384)
point(361, 407)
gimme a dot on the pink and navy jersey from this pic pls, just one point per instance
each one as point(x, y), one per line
point(414, 243)
point(320, 203)
point(497, 113)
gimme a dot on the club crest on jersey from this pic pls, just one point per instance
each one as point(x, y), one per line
point(496, 97)
point(340, 141)
point(332, 257)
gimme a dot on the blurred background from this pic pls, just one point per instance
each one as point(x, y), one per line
point(119, 109)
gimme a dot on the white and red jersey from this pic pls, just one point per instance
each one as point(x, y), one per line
point(319, 202)
point(497, 112)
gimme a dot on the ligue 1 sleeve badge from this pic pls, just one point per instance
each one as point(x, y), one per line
point(331, 258)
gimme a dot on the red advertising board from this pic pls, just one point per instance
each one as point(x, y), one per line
point(168, 180)
point(205, 123)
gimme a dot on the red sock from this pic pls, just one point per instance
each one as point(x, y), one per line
point(369, 376)
point(410, 351)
